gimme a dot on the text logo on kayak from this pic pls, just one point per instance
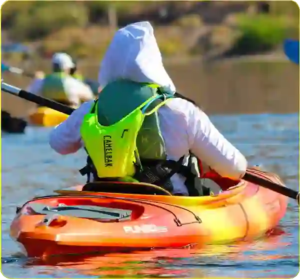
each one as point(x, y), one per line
point(145, 229)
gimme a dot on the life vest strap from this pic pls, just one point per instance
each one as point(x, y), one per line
point(156, 172)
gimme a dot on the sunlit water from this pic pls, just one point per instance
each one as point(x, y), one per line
point(30, 168)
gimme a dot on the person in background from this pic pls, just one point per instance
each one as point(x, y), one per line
point(74, 71)
point(122, 144)
point(60, 85)
point(91, 83)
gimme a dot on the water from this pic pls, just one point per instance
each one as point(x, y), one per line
point(30, 168)
point(227, 87)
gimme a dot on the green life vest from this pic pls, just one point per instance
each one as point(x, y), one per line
point(53, 87)
point(123, 128)
point(78, 76)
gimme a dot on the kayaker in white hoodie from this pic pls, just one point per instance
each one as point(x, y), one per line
point(60, 85)
point(132, 63)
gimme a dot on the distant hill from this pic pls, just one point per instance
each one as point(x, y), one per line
point(207, 28)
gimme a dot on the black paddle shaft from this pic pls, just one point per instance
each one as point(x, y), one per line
point(272, 186)
point(45, 102)
point(41, 101)
point(36, 99)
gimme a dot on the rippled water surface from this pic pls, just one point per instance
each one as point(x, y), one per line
point(30, 168)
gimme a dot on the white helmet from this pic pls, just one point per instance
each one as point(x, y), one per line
point(63, 60)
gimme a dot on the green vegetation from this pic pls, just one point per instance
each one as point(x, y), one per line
point(97, 9)
point(84, 28)
point(259, 33)
point(287, 8)
point(82, 43)
point(39, 19)
point(192, 20)
point(94, 41)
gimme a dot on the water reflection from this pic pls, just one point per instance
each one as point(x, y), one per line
point(225, 88)
point(211, 261)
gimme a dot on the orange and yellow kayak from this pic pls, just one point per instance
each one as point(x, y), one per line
point(46, 117)
point(118, 217)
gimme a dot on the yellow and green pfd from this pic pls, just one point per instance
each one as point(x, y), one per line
point(122, 130)
point(78, 76)
point(53, 87)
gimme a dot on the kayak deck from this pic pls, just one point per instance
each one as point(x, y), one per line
point(85, 221)
point(82, 211)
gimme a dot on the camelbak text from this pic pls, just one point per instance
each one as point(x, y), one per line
point(107, 151)
point(145, 229)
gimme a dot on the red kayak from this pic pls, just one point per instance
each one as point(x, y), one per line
point(135, 216)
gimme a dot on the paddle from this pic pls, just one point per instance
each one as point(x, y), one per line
point(35, 98)
point(272, 186)
point(291, 50)
point(4, 68)
point(249, 176)
point(15, 70)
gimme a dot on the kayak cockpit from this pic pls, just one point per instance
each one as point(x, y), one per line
point(125, 188)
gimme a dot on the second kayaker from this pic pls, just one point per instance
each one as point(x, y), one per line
point(91, 83)
point(139, 129)
point(60, 85)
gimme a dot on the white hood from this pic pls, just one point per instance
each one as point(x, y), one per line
point(134, 55)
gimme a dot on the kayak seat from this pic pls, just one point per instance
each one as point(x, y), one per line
point(125, 188)
point(211, 185)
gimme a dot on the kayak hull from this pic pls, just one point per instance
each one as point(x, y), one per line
point(47, 117)
point(11, 124)
point(114, 222)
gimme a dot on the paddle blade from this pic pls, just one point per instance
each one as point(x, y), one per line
point(4, 67)
point(291, 50)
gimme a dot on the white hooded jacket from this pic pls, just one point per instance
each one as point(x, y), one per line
point(134, 54)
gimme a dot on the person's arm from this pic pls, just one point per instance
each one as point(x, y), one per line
point(36, 86)
point(65, 138)
point(211, 147)
point(78, 90)
point(86, 94)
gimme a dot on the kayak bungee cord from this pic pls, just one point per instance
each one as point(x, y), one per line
point(152, 203)
point(249, 176)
